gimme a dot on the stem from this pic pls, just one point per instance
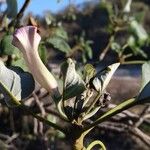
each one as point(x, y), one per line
point(105, 50)
point(42, 119)
point(76, 137)
point(133, 62)
point(78, 143)
point(97, 142)
point(92, 105)
point(125, 105)
point(25, 5)
point(20, 13)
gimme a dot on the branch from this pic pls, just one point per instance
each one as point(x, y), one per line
point(119, 108)
point(20, 14)
point(142, 116)
point(51, 124)
point(141, 135)
point(105, 50)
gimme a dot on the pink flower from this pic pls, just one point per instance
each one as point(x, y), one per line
point(27, 40)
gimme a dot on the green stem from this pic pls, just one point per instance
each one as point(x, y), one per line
point(92, 105)
point(13, 102)
point(119, 108)
point(134, 62)
point(97, 142)
point(42, 119)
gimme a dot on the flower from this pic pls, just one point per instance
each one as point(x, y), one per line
point(27, 40)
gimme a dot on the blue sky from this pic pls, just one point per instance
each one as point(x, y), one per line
point(39, 6)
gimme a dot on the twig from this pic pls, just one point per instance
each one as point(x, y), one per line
point(138, 133)
point(124, 128)
point(20, 14)
point(3, 136)
point(133, 62)
point(40, 118)
point(105, 50)
point(10, 139)
point(40, 105)
point(92, 105)
point(11, 117)
point(112, 112)
point(141, 117)
point(35, 129)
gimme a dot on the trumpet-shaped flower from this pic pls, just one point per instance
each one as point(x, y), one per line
point(27, 40)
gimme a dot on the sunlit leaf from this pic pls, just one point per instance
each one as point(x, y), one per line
point(73, 84)
point(19, 83)
point(102, 78)
point(145, 88)
point(145, 74)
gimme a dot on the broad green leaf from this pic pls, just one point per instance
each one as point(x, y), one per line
point(59, 43)
point(12, 8)
point(73, 84)
point(102, 78)
point(19, 83)
point(6, 47)
point(145, 74)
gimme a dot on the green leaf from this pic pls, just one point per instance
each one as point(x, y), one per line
point(43, 53)
point(116, 47)
point(145, 74)
point(59, 43)
point(89, 72)
point(12, 8)
point(145, 88)
point(20, 62)
point(60, 32)
point(89, 51)
point(73, 84)
point(20, 84)
point(102, 78)
point(6, 47)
